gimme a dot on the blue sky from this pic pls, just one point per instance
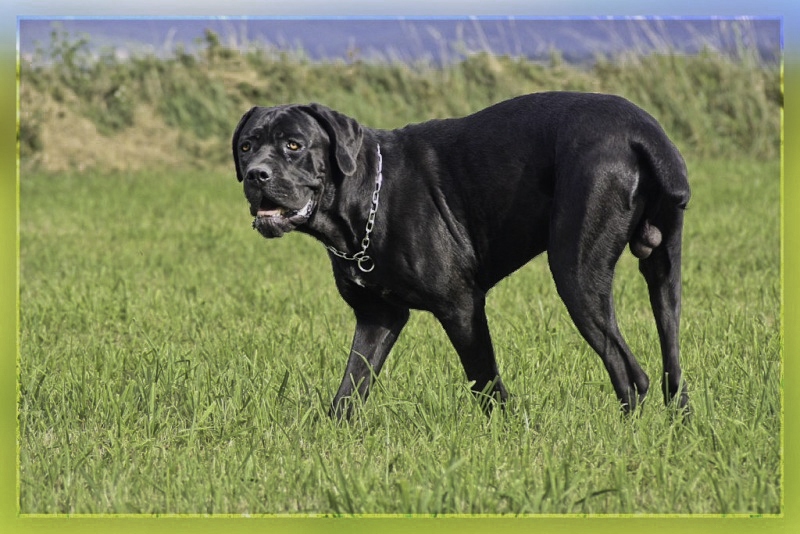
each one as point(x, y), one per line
point(789, 9)
point(411, 38)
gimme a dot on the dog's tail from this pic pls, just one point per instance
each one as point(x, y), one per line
point(667, 188)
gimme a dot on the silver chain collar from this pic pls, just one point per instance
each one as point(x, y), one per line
point(364, 262)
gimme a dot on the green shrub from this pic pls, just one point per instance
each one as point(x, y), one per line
point(711, 104)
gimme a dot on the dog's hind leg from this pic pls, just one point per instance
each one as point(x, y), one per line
point(662, 271)
point(590, 226)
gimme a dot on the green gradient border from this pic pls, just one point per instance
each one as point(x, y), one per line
point(9, 522)
point(790, 198)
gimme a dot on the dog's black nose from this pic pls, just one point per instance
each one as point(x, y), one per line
point(260, 174)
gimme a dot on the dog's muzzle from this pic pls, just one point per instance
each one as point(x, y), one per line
point(274, 221)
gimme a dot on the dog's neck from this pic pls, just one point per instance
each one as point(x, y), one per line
point(344, 222)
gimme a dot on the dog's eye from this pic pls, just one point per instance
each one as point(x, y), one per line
point(293, 146)
point(245, 147)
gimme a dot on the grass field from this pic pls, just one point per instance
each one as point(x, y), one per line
point(174, 362)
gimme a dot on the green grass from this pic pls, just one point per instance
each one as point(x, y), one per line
point(174, 362)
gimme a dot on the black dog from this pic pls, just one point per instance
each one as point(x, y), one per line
point(431, 216)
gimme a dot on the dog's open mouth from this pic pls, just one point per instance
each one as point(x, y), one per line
point(274, 221)
point(269, 209)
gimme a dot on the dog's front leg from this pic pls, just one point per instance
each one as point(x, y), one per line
point(468, 330)
point(377, 328)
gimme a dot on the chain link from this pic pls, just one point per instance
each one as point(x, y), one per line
point(364, 262)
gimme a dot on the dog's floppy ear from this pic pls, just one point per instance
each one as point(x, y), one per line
point(236, 133)
point(346, 135)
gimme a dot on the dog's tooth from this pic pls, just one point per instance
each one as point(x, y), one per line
point(270, 213)
point(306, 209)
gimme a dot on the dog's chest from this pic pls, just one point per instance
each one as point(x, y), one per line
point(385, 285)
point(365, 281)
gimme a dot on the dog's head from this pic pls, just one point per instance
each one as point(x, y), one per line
point(286, 156)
